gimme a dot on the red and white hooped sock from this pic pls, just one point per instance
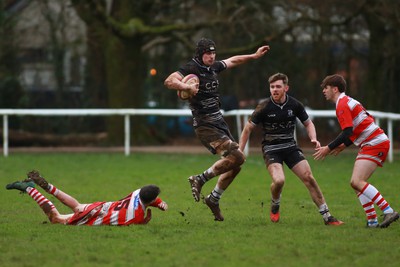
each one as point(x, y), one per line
point(53, 190)
point(368, 207)
point(373, 194)
point(38, 197)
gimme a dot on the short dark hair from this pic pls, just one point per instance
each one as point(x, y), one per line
point(335, 80)
point(149, 193)
point(279, 76)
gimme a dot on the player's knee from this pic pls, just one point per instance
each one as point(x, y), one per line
point(355, 185)
point(278, 182)
point(239, 157)
point(53, 218)
point(230, 150)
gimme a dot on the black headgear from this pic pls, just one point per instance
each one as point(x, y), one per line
point(203, 46)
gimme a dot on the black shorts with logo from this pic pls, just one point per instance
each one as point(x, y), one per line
point(290, 156)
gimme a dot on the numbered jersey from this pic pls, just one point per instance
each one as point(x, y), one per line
point(129, 210)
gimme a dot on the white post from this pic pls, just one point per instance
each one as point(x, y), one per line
point(127, 135)
point(5, 135)
point(390, 135)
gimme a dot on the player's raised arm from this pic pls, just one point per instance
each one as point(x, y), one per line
point(240, 59)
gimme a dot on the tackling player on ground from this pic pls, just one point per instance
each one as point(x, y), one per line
point(277, 116)
point(129, 210)
point(359, 128)
point(208, 122)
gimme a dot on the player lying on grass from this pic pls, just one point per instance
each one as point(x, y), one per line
point(129, 210)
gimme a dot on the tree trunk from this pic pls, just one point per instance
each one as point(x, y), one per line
point(383, 72)
point(125, 70)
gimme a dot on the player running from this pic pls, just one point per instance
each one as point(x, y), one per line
point(359, 128)
point(208, 122)
point(277, 116)
point(129, 210)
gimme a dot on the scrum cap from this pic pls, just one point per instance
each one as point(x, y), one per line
point(203, 46)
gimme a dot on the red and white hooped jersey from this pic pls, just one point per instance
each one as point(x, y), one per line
point(129, 210)
point(350, 113)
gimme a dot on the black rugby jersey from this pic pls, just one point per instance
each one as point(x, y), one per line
point(278, 122)
point(205, 105)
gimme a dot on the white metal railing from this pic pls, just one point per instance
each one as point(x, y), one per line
point(241, 115)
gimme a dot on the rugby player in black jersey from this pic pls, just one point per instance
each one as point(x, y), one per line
point(277, 116)
point(208, 122)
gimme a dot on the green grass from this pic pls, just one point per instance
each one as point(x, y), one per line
point(245, 238)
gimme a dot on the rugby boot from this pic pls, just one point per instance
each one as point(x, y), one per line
point(214, 207)
point(333, 221)
point(38, 179)
point(389, 218)
point(20, 185)
point(195, 184)
point(274, 214)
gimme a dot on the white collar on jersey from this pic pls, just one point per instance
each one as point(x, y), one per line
point(340, 96)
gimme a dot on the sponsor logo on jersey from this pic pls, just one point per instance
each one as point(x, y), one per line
point(136, 203)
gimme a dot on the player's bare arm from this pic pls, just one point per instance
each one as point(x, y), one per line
point(240, 59)
point(248, 128)
point(147, 219)
point(341, 139)
point(174, 82)
point(312, 133)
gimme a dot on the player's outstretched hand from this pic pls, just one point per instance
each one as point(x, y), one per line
point(163, 206)
point(321, 152)
point(262, 51)
point(316, 143)
point(337, 150)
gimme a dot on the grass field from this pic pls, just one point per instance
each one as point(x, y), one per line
point(186, 234)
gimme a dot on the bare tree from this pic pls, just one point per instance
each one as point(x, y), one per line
point(123, 30)
point(309, 39)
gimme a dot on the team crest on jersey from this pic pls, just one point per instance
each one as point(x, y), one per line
point(290, 113)
point(136, 202)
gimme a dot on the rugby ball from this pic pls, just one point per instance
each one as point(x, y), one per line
point(188, 79)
